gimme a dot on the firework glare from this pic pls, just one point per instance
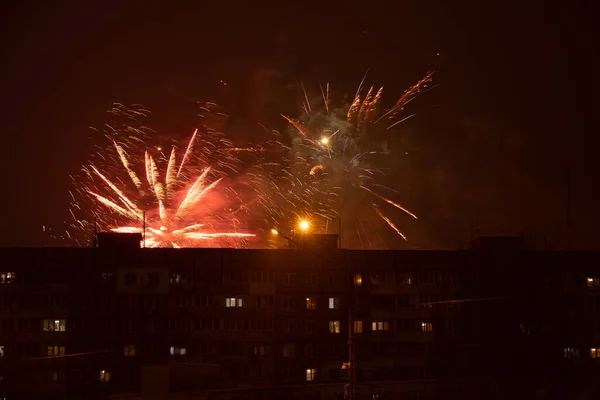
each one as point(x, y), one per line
point(184, 198)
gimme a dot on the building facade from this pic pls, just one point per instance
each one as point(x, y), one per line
point(492, 322)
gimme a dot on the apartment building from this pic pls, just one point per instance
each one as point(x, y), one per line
point(125, 322)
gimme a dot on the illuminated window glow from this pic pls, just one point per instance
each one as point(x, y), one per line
point(177, 351)
point(380, 326)
point(54, 325)
point(426, 327)
point(357, 279)
point(129, 351)
point(311, 303)
point(358, 326)
point(334, 303)
point(310, 374)
point(234, 302)
point(334, 326)
point(594, 353)
point(593, 282)
point(7, 277)
point(55, 351)
point(571, 352)
point(104, 376)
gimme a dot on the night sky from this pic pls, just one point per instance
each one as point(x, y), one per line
point(489, 146)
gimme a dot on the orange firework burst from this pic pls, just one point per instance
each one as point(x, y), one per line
point(186, 203)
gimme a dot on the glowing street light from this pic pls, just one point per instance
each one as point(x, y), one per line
point(325, 140)
point(304, 225)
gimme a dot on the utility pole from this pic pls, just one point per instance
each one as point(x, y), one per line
point(351, 344)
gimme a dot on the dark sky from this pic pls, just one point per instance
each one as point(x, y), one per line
point(490, 142)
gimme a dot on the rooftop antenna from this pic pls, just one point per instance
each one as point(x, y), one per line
point(95, 237)
point(144, 231)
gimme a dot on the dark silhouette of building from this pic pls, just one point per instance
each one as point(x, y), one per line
point(497, 321)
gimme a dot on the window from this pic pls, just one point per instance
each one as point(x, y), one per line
point(54, 325)
point(403, 301)
point(178, 351)
point(177, 278)
point(233, 302)
point(288, 303)
point(55, 351)
point(311, 303)
point(260, 350)
point(592, 282)
point(130, 279)
point(357, 279)
point(594, 353)
point(129, 351)
point(289, 350)
point(1, 351)
point(311, 280)
point(426, 327)
point(358, 326)
point(404, 279)
point(264, 301)
point(55, 375)
point(7, 277)
point(260, 277)
point(524, 329)
point(310, 374)
point(288, 279)
point(378, 278)
point(153, 279)
point(380, 326)
point(107, 276)
point(104, 376)
point(571, 352)
point(311, 326)
point(334, 326)
point(334, 303)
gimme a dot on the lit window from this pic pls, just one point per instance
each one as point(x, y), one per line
point(311, 303)
point(591, 282)
point(358, 327)
point(524, 329)
point(176, 278)
point(334, 326)
point(426, 327)
point(54, 375)
point(178, 351)
point(129, 351)
point(571, 352)
point(404, 279)
point(594, 353)
point(54, 325)
point(357, 279)
point(380, 326)
point(334, 303)
point(289, 350)
point(310, 374)
point(1, 351)
point(104, 376)
point(7, 277)
point(260, 350)
point(233, 302)
point(55, 351)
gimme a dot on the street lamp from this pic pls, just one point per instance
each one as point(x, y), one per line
point(304, 225)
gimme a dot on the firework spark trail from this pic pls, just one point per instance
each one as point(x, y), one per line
point(298, 125)
point(134, 178)
point(187, 151)
point(128, 203)
point(390, 223)
point(390, 202)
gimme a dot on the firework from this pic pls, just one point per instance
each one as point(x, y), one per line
point(333, 170)
point(186, 198)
